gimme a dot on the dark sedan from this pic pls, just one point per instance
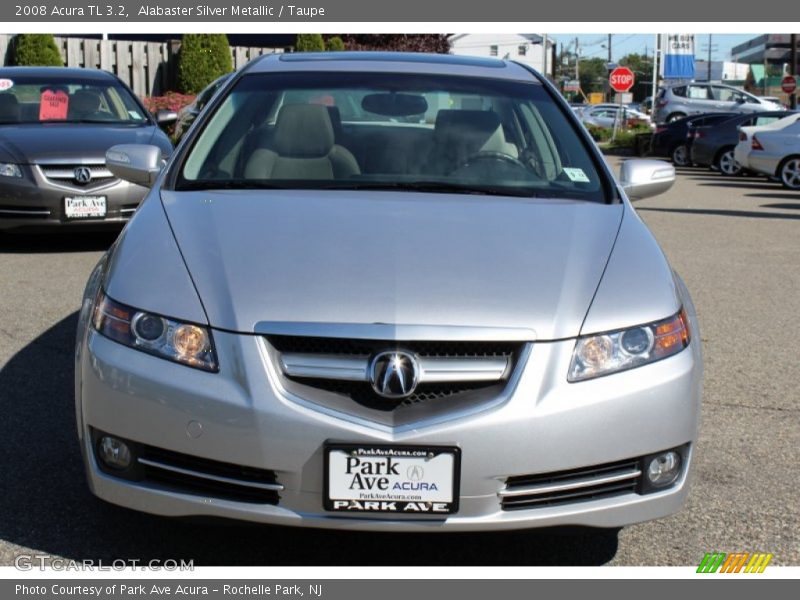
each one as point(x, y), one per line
point(713, 145)
point(55, 127)
point(672, 140)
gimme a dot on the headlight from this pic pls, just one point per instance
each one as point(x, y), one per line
point(184, 343)
point(606, 353)
point(10, 170)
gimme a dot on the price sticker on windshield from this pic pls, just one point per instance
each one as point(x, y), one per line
point(53, 105)
point(6, 84)
point(576, 175)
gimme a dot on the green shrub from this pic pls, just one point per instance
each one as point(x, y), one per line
point(203, 57)
point(36, 49)
point(309, 42)
point(335, 44)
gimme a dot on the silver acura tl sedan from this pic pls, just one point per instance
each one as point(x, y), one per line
point(388, 292)
point(56, 125)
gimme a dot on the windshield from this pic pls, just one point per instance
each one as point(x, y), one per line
point(391, 131)
point(32, 99)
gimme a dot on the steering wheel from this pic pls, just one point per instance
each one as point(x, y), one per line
point(491, 155)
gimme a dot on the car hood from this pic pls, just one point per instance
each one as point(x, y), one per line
point(337, 257)
point(47, 142)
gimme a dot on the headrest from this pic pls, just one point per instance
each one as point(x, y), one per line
point(84, 102)
point(9, 108)
point(303, 131)
point(462, 124)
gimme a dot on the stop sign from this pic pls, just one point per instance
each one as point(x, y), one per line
point(621, 79)
point(788, 84)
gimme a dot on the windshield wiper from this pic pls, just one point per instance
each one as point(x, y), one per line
point(439, 187)
point(230, 184)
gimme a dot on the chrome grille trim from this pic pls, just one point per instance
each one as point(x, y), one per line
point(68, 171)
point(432, 369)
point(274, 487)
point(575, 484)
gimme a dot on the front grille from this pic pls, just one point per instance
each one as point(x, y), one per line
point(24, 212)
point(66, 174)
point(568, 487)
point(362, 393)
point(187, 474)
point(201, 476)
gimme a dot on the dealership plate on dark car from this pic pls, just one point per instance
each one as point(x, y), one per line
point(85, 207)
point(391, 479)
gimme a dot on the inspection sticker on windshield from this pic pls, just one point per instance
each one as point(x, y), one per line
point(398, 479)
point(6, 84)
point(576, 175)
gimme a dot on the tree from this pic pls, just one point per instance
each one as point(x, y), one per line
point(309, 42)
point(335, 44)
point(594, 74)
point(32, 49)
point(437, 43)
point(203, 58)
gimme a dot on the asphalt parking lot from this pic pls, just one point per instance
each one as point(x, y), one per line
point(736, 242)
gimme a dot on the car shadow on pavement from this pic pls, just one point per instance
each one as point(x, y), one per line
point(46, 506)
point(14, 242)
point(742, 184)
point(721, 212)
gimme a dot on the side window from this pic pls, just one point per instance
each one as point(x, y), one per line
point(680, 91)
point(698, 92)
point(765, 120)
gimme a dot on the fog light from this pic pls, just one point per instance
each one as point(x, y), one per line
point(664, 469)
point(114, 453)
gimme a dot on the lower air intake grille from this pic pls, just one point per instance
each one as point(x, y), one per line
point(569, 487)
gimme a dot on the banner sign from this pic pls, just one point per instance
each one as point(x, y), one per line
point(678, 56)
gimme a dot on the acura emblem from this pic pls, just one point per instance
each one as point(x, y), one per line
point(82, 174)
point(394, 374)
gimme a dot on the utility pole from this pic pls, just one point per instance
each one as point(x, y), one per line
point(708, 73)
point(793, 68)
point(655, 78)
point(545, 55)
point(608, 87)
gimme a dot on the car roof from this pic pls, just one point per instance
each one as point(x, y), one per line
point(400, 62)
point(55, 73)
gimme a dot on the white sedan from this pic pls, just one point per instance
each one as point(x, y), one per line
point(773, 150)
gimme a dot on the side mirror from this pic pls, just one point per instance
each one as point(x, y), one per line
point(646, 178)
point(165, 117)
point(137, 163)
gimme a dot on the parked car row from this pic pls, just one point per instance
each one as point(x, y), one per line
point(675, 102)
point(762, 143)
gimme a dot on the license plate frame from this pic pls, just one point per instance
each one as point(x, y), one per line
point(422, 456)
point(92, 213)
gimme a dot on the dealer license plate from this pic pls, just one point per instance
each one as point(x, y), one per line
point(85, 207)
point(391, 479)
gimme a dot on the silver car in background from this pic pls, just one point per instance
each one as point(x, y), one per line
point(394, 292)
point(55, 127)
point(678, 101)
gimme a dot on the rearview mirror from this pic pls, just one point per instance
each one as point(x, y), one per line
point(395, 105)
point(137, 163)
point(646, 178)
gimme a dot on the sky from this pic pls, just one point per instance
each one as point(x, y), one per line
point(593, 45)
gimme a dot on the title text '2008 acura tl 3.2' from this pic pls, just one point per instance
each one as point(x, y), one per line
point(388, 291)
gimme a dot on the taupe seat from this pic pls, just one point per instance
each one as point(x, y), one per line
point(9, 109)
point(460, 134)
point(84, 104)
point(302, 146)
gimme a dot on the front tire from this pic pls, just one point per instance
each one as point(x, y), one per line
point(789, 172)
point(726, 162)
point(680, 156)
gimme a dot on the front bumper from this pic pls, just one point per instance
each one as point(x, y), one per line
point(244, 417)
point(37, 201)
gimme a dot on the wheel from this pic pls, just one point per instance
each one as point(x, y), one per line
point(789, 173)
point(726, 163)
point(680, 155)
point(675, 117)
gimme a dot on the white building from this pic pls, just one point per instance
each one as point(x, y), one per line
point(526, 48)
